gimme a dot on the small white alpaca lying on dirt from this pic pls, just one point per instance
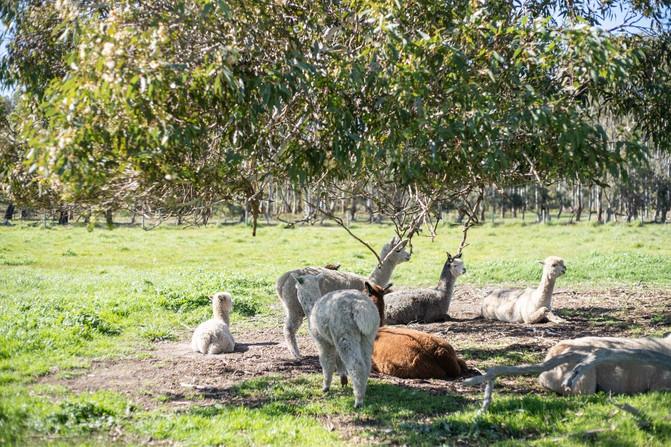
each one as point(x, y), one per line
point(343, 324)
point(332, 280)
point(425, 305)
point(214, 336)
point(618, 378)
point(526, 305)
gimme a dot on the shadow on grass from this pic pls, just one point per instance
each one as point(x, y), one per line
point(244, 347)
point(587, 319)
point(398, 415)
point(511, 354)
point(581, 321)
point(538, 416)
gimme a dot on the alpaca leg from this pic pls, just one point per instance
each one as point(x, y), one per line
point(202, 344)
point(448, 363)
point(357, 369)
point(215, 348)
point(328, 359)
point(554, 318)
point(585, 385)
point(292, 322)
point(554, 380)
point(342, 372)
point(359, 374)
point(538, 316)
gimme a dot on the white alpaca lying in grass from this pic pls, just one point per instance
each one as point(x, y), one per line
point(343, 324)
point(214, 336)
point(618, 378)
point(526, 305)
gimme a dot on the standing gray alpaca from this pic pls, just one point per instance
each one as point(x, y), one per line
point(425, 305)
point(526, 305)
point(392, 254)
point(343, 324)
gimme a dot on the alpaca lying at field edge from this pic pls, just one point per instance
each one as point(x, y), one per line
point(410, 354)
point(213, 336)
point(343, 324)
point(392, 254)
point(425, 305)
point(621, 378)
point(526, 305)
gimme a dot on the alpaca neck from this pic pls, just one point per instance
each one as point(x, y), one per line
point(543, 295)
point(382, 273)
point(379, 303)
point(446, 282)
point(308, 301)
point(219, 312)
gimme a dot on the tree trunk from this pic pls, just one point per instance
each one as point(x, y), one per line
point(63, 216)
point(9, 213)
point(599, 215)
point(109, 217)
point(578, 211)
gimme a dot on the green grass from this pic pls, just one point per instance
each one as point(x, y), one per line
point(68, 296)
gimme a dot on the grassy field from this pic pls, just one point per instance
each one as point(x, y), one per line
point(70, 298)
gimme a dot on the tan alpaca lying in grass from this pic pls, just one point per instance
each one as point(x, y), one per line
point(214, 336)
point(410, 354)
point(623, 378)
point(526, 305)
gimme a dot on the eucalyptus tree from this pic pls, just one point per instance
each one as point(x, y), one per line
point(204, 101)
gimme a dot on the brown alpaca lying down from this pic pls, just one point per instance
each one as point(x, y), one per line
point(410, 354)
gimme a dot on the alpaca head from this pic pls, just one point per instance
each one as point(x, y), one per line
point(307, 288)
point(398, 255)
point(455, 265)
point(553, 267)
point(222, 304)
point(376, 295)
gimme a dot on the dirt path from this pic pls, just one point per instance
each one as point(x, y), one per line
point(172, 374)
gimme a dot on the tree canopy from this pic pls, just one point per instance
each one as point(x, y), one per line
point(196, 99)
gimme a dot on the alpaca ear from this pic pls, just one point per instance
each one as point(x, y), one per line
point(541, 262)
point(299, 279)
point(369, 288)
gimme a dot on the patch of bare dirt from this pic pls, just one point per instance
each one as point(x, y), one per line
point(173, 374)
